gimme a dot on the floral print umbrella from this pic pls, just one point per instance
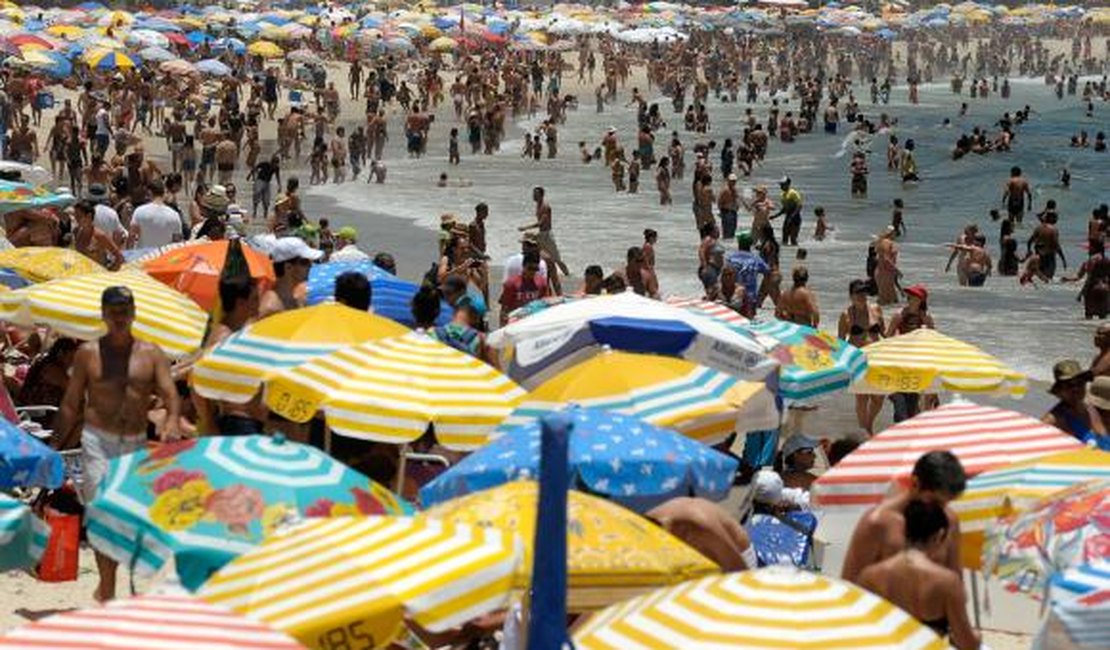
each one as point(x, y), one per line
point(204, 502)
point(1065, 530)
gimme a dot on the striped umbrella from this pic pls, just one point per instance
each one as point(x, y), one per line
point(350, 582)
point(1013, 488)
point(927, 361)
point(153, 622)
point(391, 389)
point(1083, 579)
point(22, 535)
point(234, 370)
point(206, 501)
point(982, 438)
point(71, 306)
point(711, 309)
point(1079, 623)
point(23, 196)
point(108, 59)
point(702, 403)
point(42, 263)
point(771, 608)
point(612, 553)
point(813, 362)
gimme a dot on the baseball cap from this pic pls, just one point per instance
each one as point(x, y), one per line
point(918, 291)
point(117, 296)
point(744, 238)
point(292, 248)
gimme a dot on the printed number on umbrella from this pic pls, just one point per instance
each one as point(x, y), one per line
point(900, 380)
point(346, 637)
point(291, 406)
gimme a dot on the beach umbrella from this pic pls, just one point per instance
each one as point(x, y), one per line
point(8, 48)
point(234, 369)
point(23, 536)
point(52, 63)
point(195, 270)
point(982, 437)
point(774, 607)
point(364, 576)
point(9, 279)
point(68, 32)
point(1014, 488)
point(177, 67)
point(1080, 580)
point(229, 44)
point(612, 553)
point(26, 462)
point(443, 44)
point(150, 622)
point(205, 501)
point(116, 19)
point(390, 296)
point(71, 306)
point(27, 41)
point(159, 24)
point(392, 389)
point(212, 67)
point(106, 59)
point(136, 257)
point(712, 309)
point(21, 196)
point(147, 38)
point(305, 56)
point(1079, 623)
point(926, 361)
point(156, 54)
point(266, 49)
point(551, 340)
point(626, 459)
point(44, 263)
point(704, 404)
point(812, 362)
point(1065, 530)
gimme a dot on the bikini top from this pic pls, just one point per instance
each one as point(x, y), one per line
point(857, 330)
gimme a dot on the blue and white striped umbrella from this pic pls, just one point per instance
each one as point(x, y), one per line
point(390, 296)
point(813, 362)
point(622, 457)
point(206, 501)
point(1080, 580)
point(229, 44)
point(1080, 613)
point(23, 536)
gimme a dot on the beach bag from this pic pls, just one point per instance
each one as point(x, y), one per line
point(59, 561)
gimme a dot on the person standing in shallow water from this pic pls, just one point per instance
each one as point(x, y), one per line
point(1017, 195)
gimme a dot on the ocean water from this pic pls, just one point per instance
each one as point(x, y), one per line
point(1030, 328)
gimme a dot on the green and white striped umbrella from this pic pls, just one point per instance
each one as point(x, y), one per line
point(23, 536)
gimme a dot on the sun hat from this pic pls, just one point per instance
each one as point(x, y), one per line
point(1067, 371)
point(293, 248)
point(1098, 393)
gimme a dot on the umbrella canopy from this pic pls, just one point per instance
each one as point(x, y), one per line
point(1013, 488)
point(775, 607)
point(147, 38)
point(23, 536)
point(443, 44)
point(71, 306)
point(557, 337)
point(52, 63)
point(305, 56)
point(178, 67)
point(212, 67)
point(266, 49)
point(813, 362)
point(392, 389)
point(26, 462)
point(1080, 623)
point(234, 370)
point(1065, 530)
point(21, 196)
point(927, 361)
point(704, 404)
point(982, 438)
point(44, 263)
point(108, 59)
point(170, 621)
point(390, 296)
point(366, 575)
point(157, 54)
point(711, 309)
point(195, 270)
point(68, 32)
point(1083, 579)
point(612, 553)
point(618, 456)
point(206, 501)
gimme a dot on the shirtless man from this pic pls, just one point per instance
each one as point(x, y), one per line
point(798, 304)
point(227, 155)
point(959, 252)
point(545, 236)
point(1045, 241)
point(209, 138)
point(293, 260)
point(113, 381)
point(1017, 195)
point(937, 477)
point(728, 205)
point(760, 206)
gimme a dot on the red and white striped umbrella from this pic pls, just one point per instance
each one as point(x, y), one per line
point(982, 438)
point(149, 623)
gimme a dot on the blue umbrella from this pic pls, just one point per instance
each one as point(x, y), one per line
point(196, 37)
point(213, 67)
point(23, 536)
point(26, 462)
point(390, 296)
point(547, 622)
point(621, 457)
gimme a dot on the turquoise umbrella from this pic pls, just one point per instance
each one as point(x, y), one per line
point(812, 362)
point(21, 196)
point(22, 535)
point(204, 502)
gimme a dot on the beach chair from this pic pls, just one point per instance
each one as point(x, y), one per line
point(784, 538)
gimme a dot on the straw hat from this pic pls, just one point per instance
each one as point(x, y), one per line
point(1098, 393)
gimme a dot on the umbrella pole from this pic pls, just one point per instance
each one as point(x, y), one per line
point(975, 597)
point(327, 439)
point(401, 467)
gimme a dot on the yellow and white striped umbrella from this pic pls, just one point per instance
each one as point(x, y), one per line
point(391, 389)
point(771, 608)
point(42, 263)
point(71, 306)
point(926, 360)
point(234, 370)
point(346, 580)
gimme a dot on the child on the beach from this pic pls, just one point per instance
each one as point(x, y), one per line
point(453, 148)
point(634, 174)
point(896, 220)
point(821, 230)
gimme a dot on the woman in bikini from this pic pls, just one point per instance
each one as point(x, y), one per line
point(862, 324)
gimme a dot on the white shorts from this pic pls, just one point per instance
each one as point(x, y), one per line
point(98, 448)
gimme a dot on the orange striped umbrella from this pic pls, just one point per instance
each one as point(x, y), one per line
point(195, 270)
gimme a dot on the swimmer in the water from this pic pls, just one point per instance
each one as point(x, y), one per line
point(1065, 178)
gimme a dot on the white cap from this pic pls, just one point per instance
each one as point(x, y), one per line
point(767, 486)
point(292, 248)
